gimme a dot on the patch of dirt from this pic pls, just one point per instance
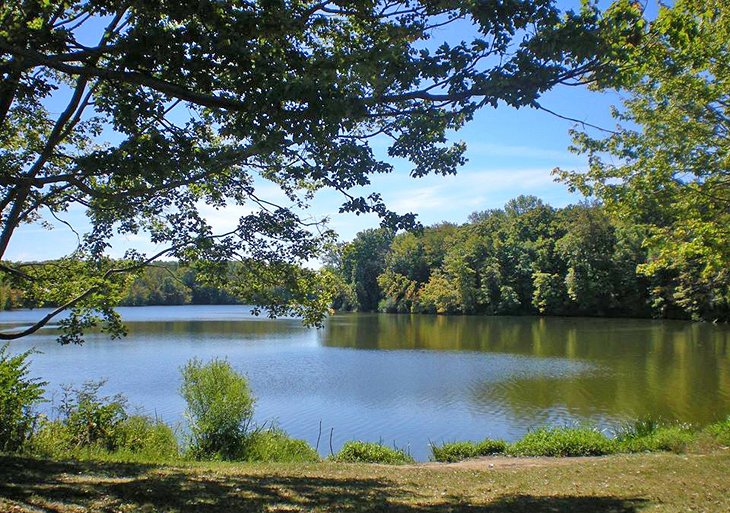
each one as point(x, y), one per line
point(497, 462)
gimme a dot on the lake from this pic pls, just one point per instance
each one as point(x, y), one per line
point(407, 379)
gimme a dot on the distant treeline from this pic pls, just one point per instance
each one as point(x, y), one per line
point(527, 258)
point(165, 283)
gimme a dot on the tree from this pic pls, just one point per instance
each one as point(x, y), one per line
point(587, 250)
point(363, 260)
point(169, 106)
point(669, 165)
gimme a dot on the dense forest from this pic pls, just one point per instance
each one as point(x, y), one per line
point(527, 258)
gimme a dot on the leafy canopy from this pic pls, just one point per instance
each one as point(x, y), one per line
point(667, 166)
point(170, 107)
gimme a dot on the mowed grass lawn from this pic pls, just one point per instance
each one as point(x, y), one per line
point(617, 484)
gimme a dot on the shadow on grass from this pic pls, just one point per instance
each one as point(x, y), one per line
point(38, 485)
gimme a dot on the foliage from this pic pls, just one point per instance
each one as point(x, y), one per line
point(92, 420)
point(165, 111)
point(458, 451)
point(90, 425)
point(219, 409)
point(649, 435)
point(161, 284)
point(371, 452)
point(362, 261)
point(52, 439)
point(19, 393)
point(137, 438)
point(562, 441)
point(439, 296)
point(666, 166)
point(274, 445)
point(148, 439)
point(720, 432)
point(527, 258)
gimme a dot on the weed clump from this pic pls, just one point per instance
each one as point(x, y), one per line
point(275, 445)
point(650, 435)
point(457, 451)
point(719, 432)
point(371, 452)
point(562, 441)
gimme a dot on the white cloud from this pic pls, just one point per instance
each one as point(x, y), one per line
point(521, 152)
point(408, 200)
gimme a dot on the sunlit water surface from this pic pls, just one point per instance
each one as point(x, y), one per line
point(407, 380)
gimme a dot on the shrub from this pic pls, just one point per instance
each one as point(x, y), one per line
point(92, 420)
point(18, 395)
point(562, 442)
point(146, 438)
point(219, 409)
point(371, 452)
point(90, 426)
point(53, 440)
point(457, 451)
point(274, 445)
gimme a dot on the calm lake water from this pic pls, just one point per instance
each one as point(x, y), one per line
point(407, 380)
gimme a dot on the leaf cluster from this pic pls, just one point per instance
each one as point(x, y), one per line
point(172, 110)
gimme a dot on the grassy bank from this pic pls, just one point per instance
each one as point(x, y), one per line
point(619, 484)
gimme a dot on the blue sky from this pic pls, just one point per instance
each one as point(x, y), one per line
point(510, 152)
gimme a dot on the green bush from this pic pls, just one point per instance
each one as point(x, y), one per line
point(219, 409)
point(18, 396)
point(53, 440)
point(650, 435)
point(274, 445)
point(458, 451)
point(146, 439)
point(92, 426)
point(92, 420)
point(562, 441)
point(371, 452)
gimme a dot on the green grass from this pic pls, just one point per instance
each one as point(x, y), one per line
point(562, 441)
point(645, 435)
point(457, 451)
point(371, 452)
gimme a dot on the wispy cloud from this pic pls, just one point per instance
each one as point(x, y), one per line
point(407, 200)
point(522, 152)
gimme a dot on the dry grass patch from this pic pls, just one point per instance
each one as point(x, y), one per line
point(616, 484)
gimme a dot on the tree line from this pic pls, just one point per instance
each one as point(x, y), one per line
point(526, 258)
point(165, 283)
